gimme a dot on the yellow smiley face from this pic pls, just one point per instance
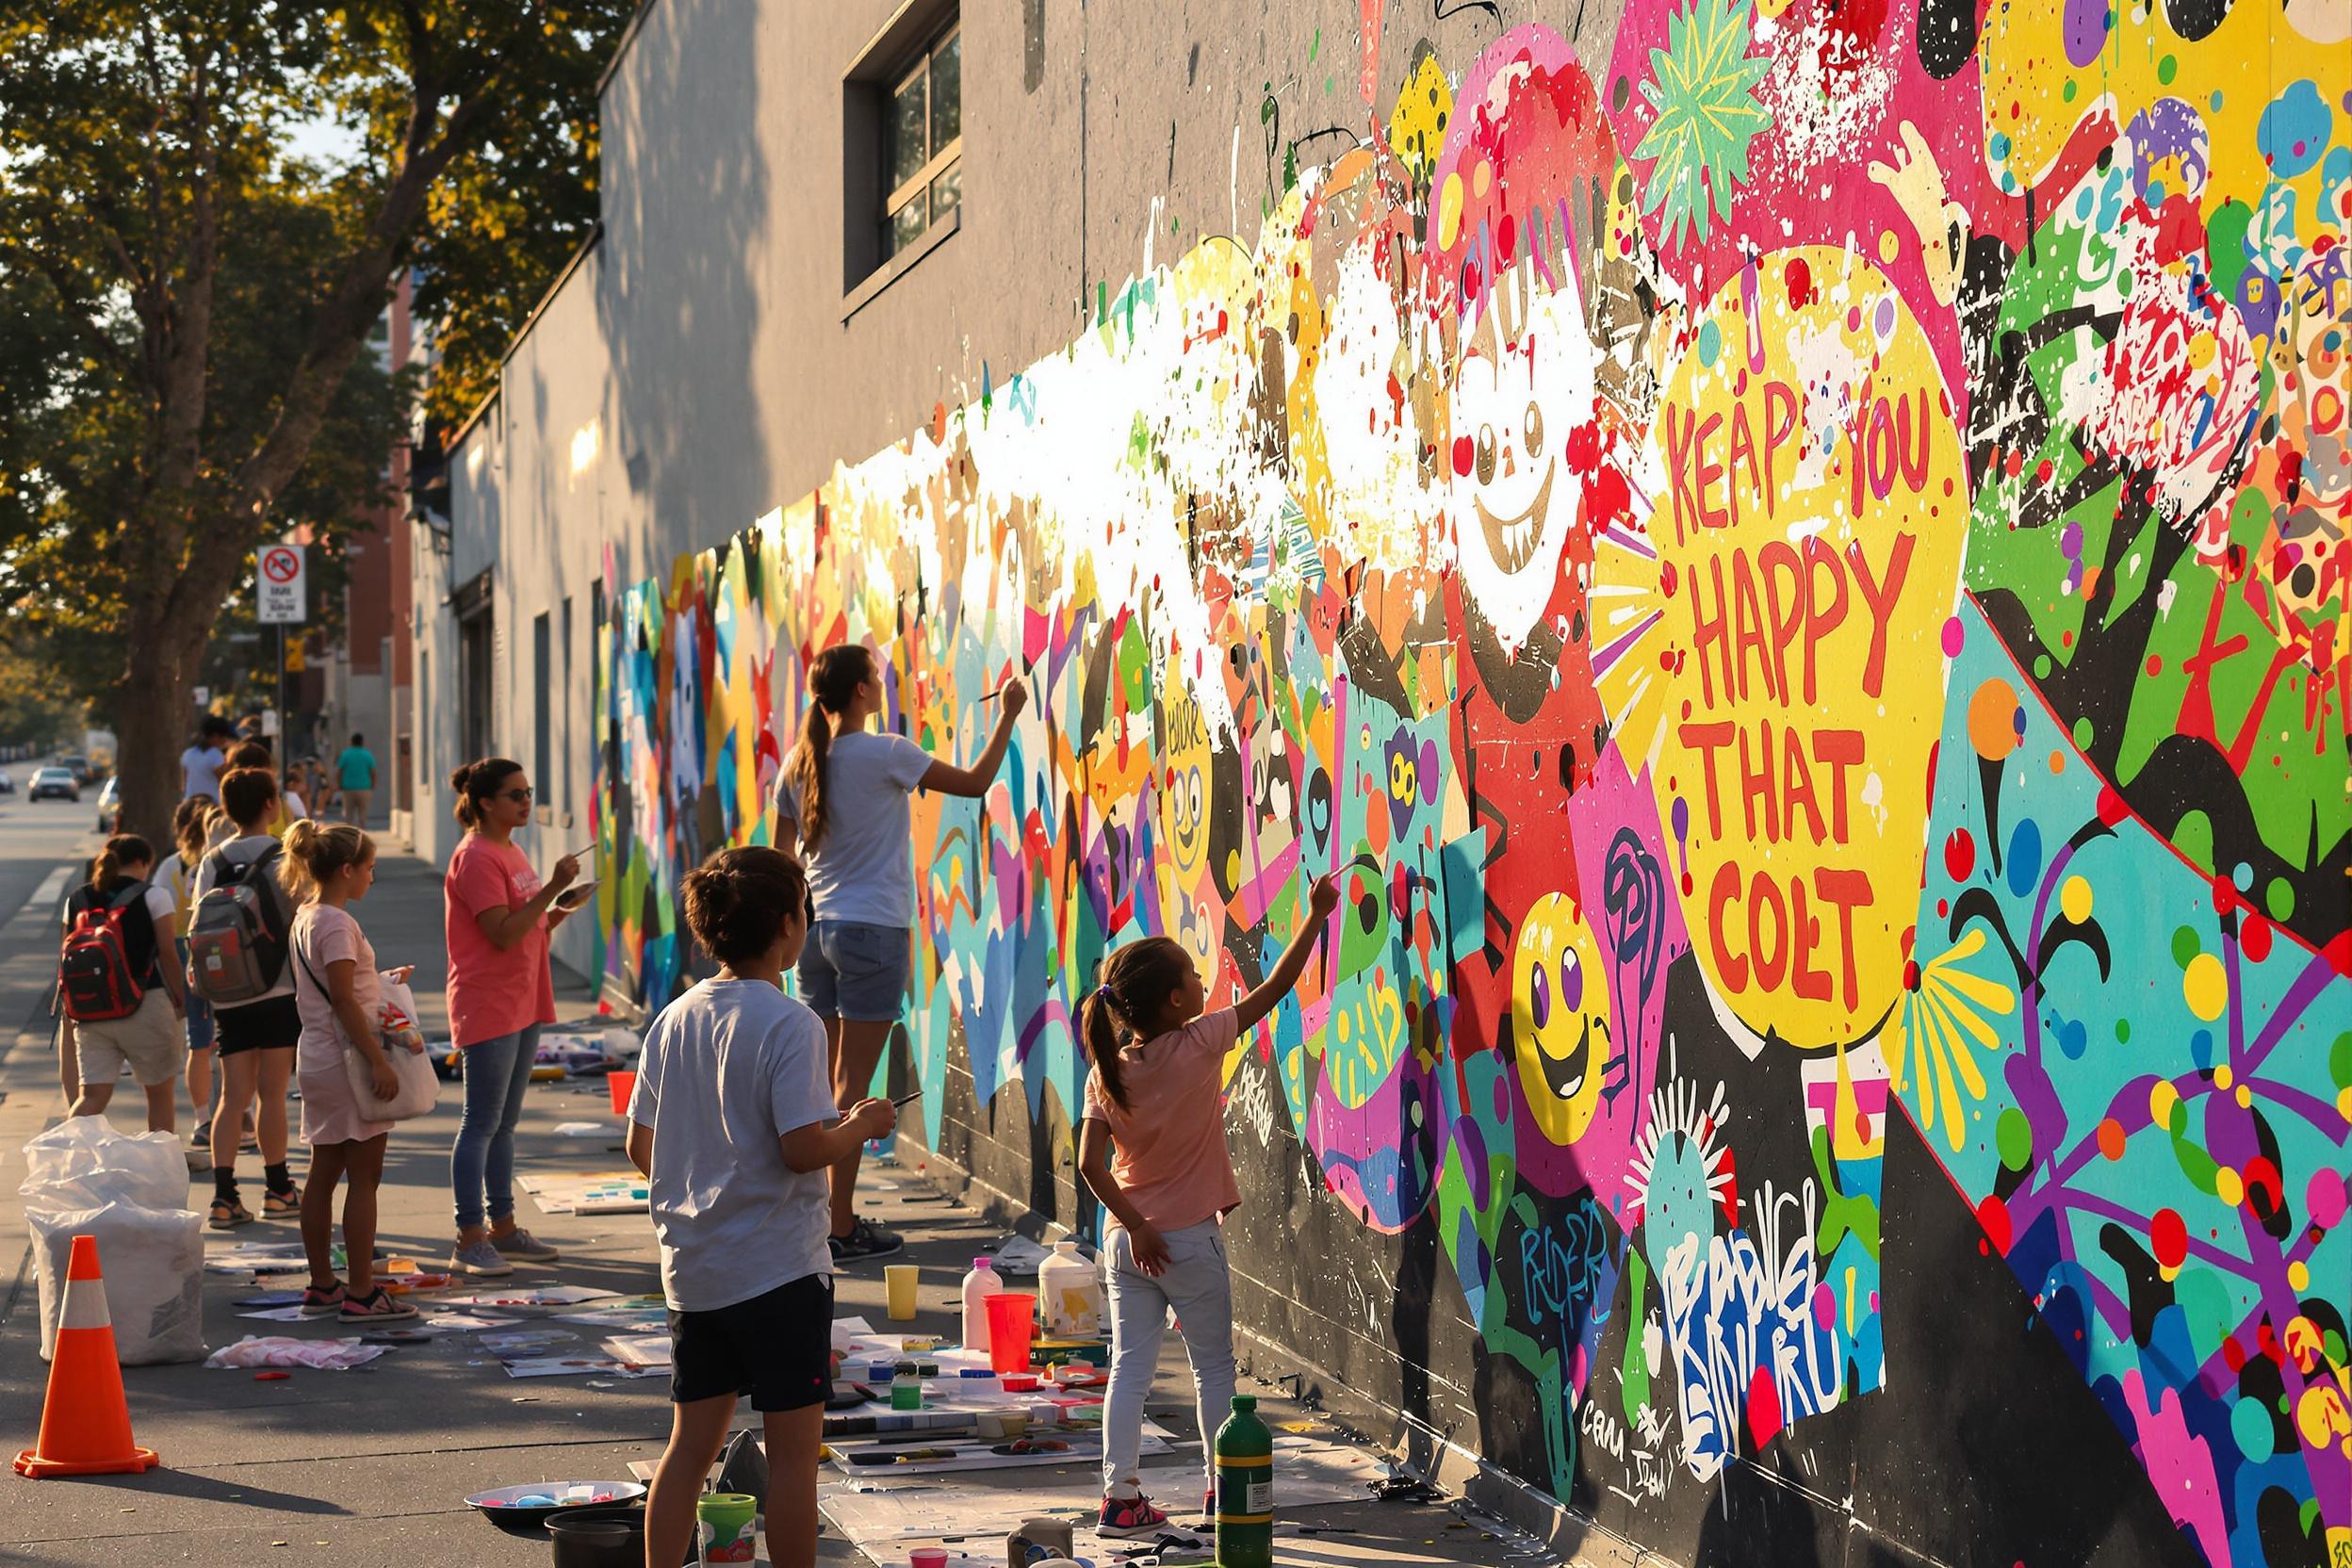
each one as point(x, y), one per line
point(1185, 773)
point(1559, 1017)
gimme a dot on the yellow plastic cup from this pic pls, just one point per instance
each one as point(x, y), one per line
point(898, 1278)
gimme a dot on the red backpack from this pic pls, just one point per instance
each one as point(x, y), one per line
point(95, 976)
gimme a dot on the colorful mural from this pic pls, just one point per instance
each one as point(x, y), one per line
point(1797, 572)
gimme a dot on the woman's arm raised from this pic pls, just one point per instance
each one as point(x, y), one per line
point(946, 778)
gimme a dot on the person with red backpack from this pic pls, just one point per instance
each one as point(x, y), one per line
point(237, 947)
point(121, 997)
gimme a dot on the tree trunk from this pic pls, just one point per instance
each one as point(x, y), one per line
point(152, 723)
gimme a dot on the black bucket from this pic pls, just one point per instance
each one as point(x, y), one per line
point(598, 1537)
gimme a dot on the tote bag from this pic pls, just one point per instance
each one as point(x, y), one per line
point(420, 1085)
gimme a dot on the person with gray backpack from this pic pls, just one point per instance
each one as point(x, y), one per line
point(237, 946)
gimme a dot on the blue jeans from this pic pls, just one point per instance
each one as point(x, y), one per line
point(483, 1163)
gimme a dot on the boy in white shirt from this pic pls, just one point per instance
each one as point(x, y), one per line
point(734, 1120)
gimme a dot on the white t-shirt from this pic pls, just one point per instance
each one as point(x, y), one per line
point(245, 851)
point(726, 1070)
point(324, 935)
point(199, 773)
point(294, 805)
point(864, 870)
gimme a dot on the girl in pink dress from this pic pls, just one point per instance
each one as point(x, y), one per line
point(336, 990)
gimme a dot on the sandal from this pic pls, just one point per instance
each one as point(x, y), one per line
point(323, 1303)
point(227, 1214)
point(289, 1202)
point(377, 1305)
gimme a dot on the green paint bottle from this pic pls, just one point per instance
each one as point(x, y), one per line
point(1244, 1488)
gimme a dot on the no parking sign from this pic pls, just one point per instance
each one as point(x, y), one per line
point(280, 584)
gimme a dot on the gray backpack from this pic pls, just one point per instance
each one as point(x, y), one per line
point(236, 940)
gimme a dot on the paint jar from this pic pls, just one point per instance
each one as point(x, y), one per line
point(898, 1280)
point(1069, 1293)
point(906, 1392)
point(728, 1525)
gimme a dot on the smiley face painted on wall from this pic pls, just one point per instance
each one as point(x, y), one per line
point(1560, 1020)
point(1515, 400)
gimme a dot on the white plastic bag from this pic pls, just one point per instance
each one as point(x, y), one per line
point(82, 1163)
point(420, 1082)
point(324, 1355)
point(152, 1261)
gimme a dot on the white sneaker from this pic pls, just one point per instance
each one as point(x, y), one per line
point(480, 1260)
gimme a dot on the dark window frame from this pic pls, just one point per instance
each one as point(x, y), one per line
point(941, 159)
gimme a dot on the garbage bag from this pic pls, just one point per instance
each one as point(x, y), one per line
point(324, 1355)
point(82, 1163)
point(152, 1261)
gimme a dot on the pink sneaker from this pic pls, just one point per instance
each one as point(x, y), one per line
point(1130, 1516)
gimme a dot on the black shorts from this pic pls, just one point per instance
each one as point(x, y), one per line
point(777, 1347)
point(273, 1023)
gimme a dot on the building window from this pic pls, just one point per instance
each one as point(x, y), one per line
point(902, 147)
point(563, 740)
point(924, 173)
point(543, 753)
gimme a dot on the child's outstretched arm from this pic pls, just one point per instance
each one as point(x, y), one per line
point(946, 778)
point(1094, 1168)
point(1292, 963)
point(827, 1143)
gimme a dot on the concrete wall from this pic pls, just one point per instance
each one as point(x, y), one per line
point(1790, 564)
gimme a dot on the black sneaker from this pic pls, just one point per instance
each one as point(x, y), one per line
point(866, 1240)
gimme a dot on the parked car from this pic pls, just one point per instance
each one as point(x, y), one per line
point(7, 782)
point(78, 765)
point(110, 807)
point(57, 782)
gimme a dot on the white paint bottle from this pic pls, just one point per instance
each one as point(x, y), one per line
point(981, 1283)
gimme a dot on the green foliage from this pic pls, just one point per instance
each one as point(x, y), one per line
point(189, 370)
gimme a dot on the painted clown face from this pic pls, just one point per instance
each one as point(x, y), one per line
point(1559, 1017)
point(1514, 401)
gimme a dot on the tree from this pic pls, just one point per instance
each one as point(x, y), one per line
point(197, 297)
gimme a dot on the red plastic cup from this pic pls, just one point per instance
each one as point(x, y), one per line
point(1012, 1324)
point(622, 1084)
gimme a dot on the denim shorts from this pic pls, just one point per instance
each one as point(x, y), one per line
point(855, 972)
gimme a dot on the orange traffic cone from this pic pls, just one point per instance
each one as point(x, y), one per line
point(84, 1426)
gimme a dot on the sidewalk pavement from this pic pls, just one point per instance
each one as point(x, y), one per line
point(372, 1465)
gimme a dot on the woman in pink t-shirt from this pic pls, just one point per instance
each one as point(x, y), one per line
point(496, 915)
point(1154, 1092)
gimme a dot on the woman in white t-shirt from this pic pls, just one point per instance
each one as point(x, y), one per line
point(843, 811)
point(338, 991)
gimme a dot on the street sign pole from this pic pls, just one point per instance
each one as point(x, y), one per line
point(281, 696)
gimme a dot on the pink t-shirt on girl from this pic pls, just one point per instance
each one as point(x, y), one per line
point(493, 993)
point(323, 936)
point(1169, 1151)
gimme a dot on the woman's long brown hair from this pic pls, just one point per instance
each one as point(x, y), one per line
point(833, 680)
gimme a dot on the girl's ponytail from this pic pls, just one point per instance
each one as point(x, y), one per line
point(1102, 1031)
point(1137, 981)
point(316, 852)
point(123, 849)
point(833, 682)
point(807, 770)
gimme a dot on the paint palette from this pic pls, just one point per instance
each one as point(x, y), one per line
point(531, 1503)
